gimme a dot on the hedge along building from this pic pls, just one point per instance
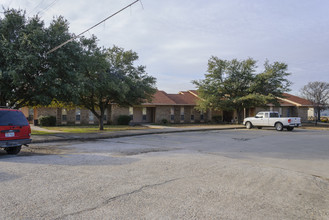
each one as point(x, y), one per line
point(173, 108)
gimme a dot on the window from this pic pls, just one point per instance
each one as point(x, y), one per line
point(91, 117)
point(131, 112)
point(274, 115)
point(10, 118)
point(172, 117)
point(144, 114)
point(182, 118)
point(202, 116)
point(64, 115)
point(191, 115)
point(77, 115)
point(31, 114)
point(266, 115)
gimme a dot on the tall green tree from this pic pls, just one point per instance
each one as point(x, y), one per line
point(28, 76)
point(234, 84)
point(318, 94)
point(109, 76)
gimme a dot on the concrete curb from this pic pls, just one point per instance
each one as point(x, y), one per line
point(61, 137)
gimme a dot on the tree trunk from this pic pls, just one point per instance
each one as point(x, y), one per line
point(317, 118)
point(101, 122)
point(240, 115)
point(319, 114)
point(100, 118)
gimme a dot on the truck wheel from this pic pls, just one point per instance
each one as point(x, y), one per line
point(13, 150)
point(290, 128)
point(248, 125)
point(279, 126)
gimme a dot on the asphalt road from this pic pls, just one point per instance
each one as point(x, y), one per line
point(232, 174)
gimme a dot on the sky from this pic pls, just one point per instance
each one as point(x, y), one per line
point(175, 39)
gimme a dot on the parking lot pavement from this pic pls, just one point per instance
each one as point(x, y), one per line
point(235, 174)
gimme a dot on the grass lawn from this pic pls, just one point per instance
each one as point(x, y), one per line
point(35, 132)
point(85, 129)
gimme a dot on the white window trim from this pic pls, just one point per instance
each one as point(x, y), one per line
point(182, 113)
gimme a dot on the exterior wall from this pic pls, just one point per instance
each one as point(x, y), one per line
point(116, 111)
point(187, 114)
point(150, 113)
point(162, 112)
point(303, 113)
point(177, 115)
point(45, 112)
point(25, 111)
point(138, 114)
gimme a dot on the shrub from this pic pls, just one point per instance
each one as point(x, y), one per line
point(164, 121)
point(217, 119)
point(47, 121)
point(124, 120)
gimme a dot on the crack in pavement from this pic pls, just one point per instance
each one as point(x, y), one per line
point(117, 197)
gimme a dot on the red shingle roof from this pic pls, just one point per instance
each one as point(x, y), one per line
point(296, 99)
point(161, 98)
point(183, 98)
point(190, 98)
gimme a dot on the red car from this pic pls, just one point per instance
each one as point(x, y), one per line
point(15, 130)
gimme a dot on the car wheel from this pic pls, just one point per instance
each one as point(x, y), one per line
point(290, 128)
point(279, 126)
point(13, 150)
point(248, 125)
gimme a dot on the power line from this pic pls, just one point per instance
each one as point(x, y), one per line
point(36, 7)
point(49, 6)
point(61, 45)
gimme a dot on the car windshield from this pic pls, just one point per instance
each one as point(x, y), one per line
point(8, 118)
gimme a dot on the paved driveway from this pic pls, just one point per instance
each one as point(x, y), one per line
point(233, 174)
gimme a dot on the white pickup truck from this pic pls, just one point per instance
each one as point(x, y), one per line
point(272, 119)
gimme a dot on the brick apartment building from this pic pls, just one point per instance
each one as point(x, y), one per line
point(175, 108)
